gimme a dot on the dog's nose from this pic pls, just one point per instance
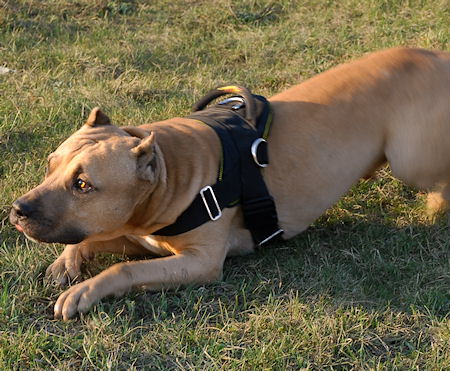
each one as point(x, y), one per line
point(21, 209)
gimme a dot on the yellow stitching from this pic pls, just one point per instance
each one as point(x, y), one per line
point(235, 202)
point(231, 88)
point(267, 126)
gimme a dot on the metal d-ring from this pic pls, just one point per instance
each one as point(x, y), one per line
point(254, 150)
point(241, 102)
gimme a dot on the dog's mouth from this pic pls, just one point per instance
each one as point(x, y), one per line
point(21, 229)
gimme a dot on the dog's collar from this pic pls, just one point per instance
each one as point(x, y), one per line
point(242, 123)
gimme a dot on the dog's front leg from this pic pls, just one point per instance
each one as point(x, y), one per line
point(67, 266)
point(192, 265)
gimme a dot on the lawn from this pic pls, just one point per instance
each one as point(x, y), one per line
point(366, 287)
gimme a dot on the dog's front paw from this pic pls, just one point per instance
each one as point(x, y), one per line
point(77, 299)
point(67, 267)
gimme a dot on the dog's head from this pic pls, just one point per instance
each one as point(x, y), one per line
point(94, 182)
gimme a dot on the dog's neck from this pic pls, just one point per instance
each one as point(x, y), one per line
point(188, 159)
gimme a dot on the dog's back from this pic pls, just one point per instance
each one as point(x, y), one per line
point(341, 125)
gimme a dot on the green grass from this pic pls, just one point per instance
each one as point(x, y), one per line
point(366, 287)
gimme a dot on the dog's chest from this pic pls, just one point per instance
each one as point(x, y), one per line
point(150, 244)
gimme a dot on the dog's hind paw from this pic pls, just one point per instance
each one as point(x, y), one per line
point(436, 204)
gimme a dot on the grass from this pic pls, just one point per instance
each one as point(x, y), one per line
point(366, 287)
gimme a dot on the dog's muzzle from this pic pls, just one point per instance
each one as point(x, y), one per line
point(26, 217)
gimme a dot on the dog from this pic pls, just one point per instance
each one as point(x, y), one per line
point(108, 189)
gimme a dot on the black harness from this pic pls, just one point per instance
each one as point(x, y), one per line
point(242, 123)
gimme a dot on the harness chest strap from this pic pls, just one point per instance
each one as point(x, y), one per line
point(242, 181)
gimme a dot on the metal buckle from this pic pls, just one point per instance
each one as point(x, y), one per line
point(254, 151)
point(234, 99)
point(205, 201)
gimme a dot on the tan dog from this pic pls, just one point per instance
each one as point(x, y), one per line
point(108, 188)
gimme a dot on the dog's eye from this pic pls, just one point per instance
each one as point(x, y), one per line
point(82, 186)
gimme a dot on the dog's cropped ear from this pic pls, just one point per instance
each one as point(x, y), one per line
point(135, 131)
point(146, 158)
point(97, 117)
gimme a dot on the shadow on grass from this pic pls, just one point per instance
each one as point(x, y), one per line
point(372, 265)
point(64, 19)
point(20, 141)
